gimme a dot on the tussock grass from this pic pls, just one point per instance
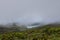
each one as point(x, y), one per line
point(44, 33)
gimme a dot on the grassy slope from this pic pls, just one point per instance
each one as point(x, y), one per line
point(48, 32)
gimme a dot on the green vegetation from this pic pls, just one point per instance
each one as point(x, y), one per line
point(47, 32)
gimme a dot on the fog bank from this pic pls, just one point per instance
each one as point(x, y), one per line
point(29, 11)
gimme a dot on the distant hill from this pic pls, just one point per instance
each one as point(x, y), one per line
point(12, 28)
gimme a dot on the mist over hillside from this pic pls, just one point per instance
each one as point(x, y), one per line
point(35, 24)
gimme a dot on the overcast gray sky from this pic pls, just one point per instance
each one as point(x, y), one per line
point(29, 11)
